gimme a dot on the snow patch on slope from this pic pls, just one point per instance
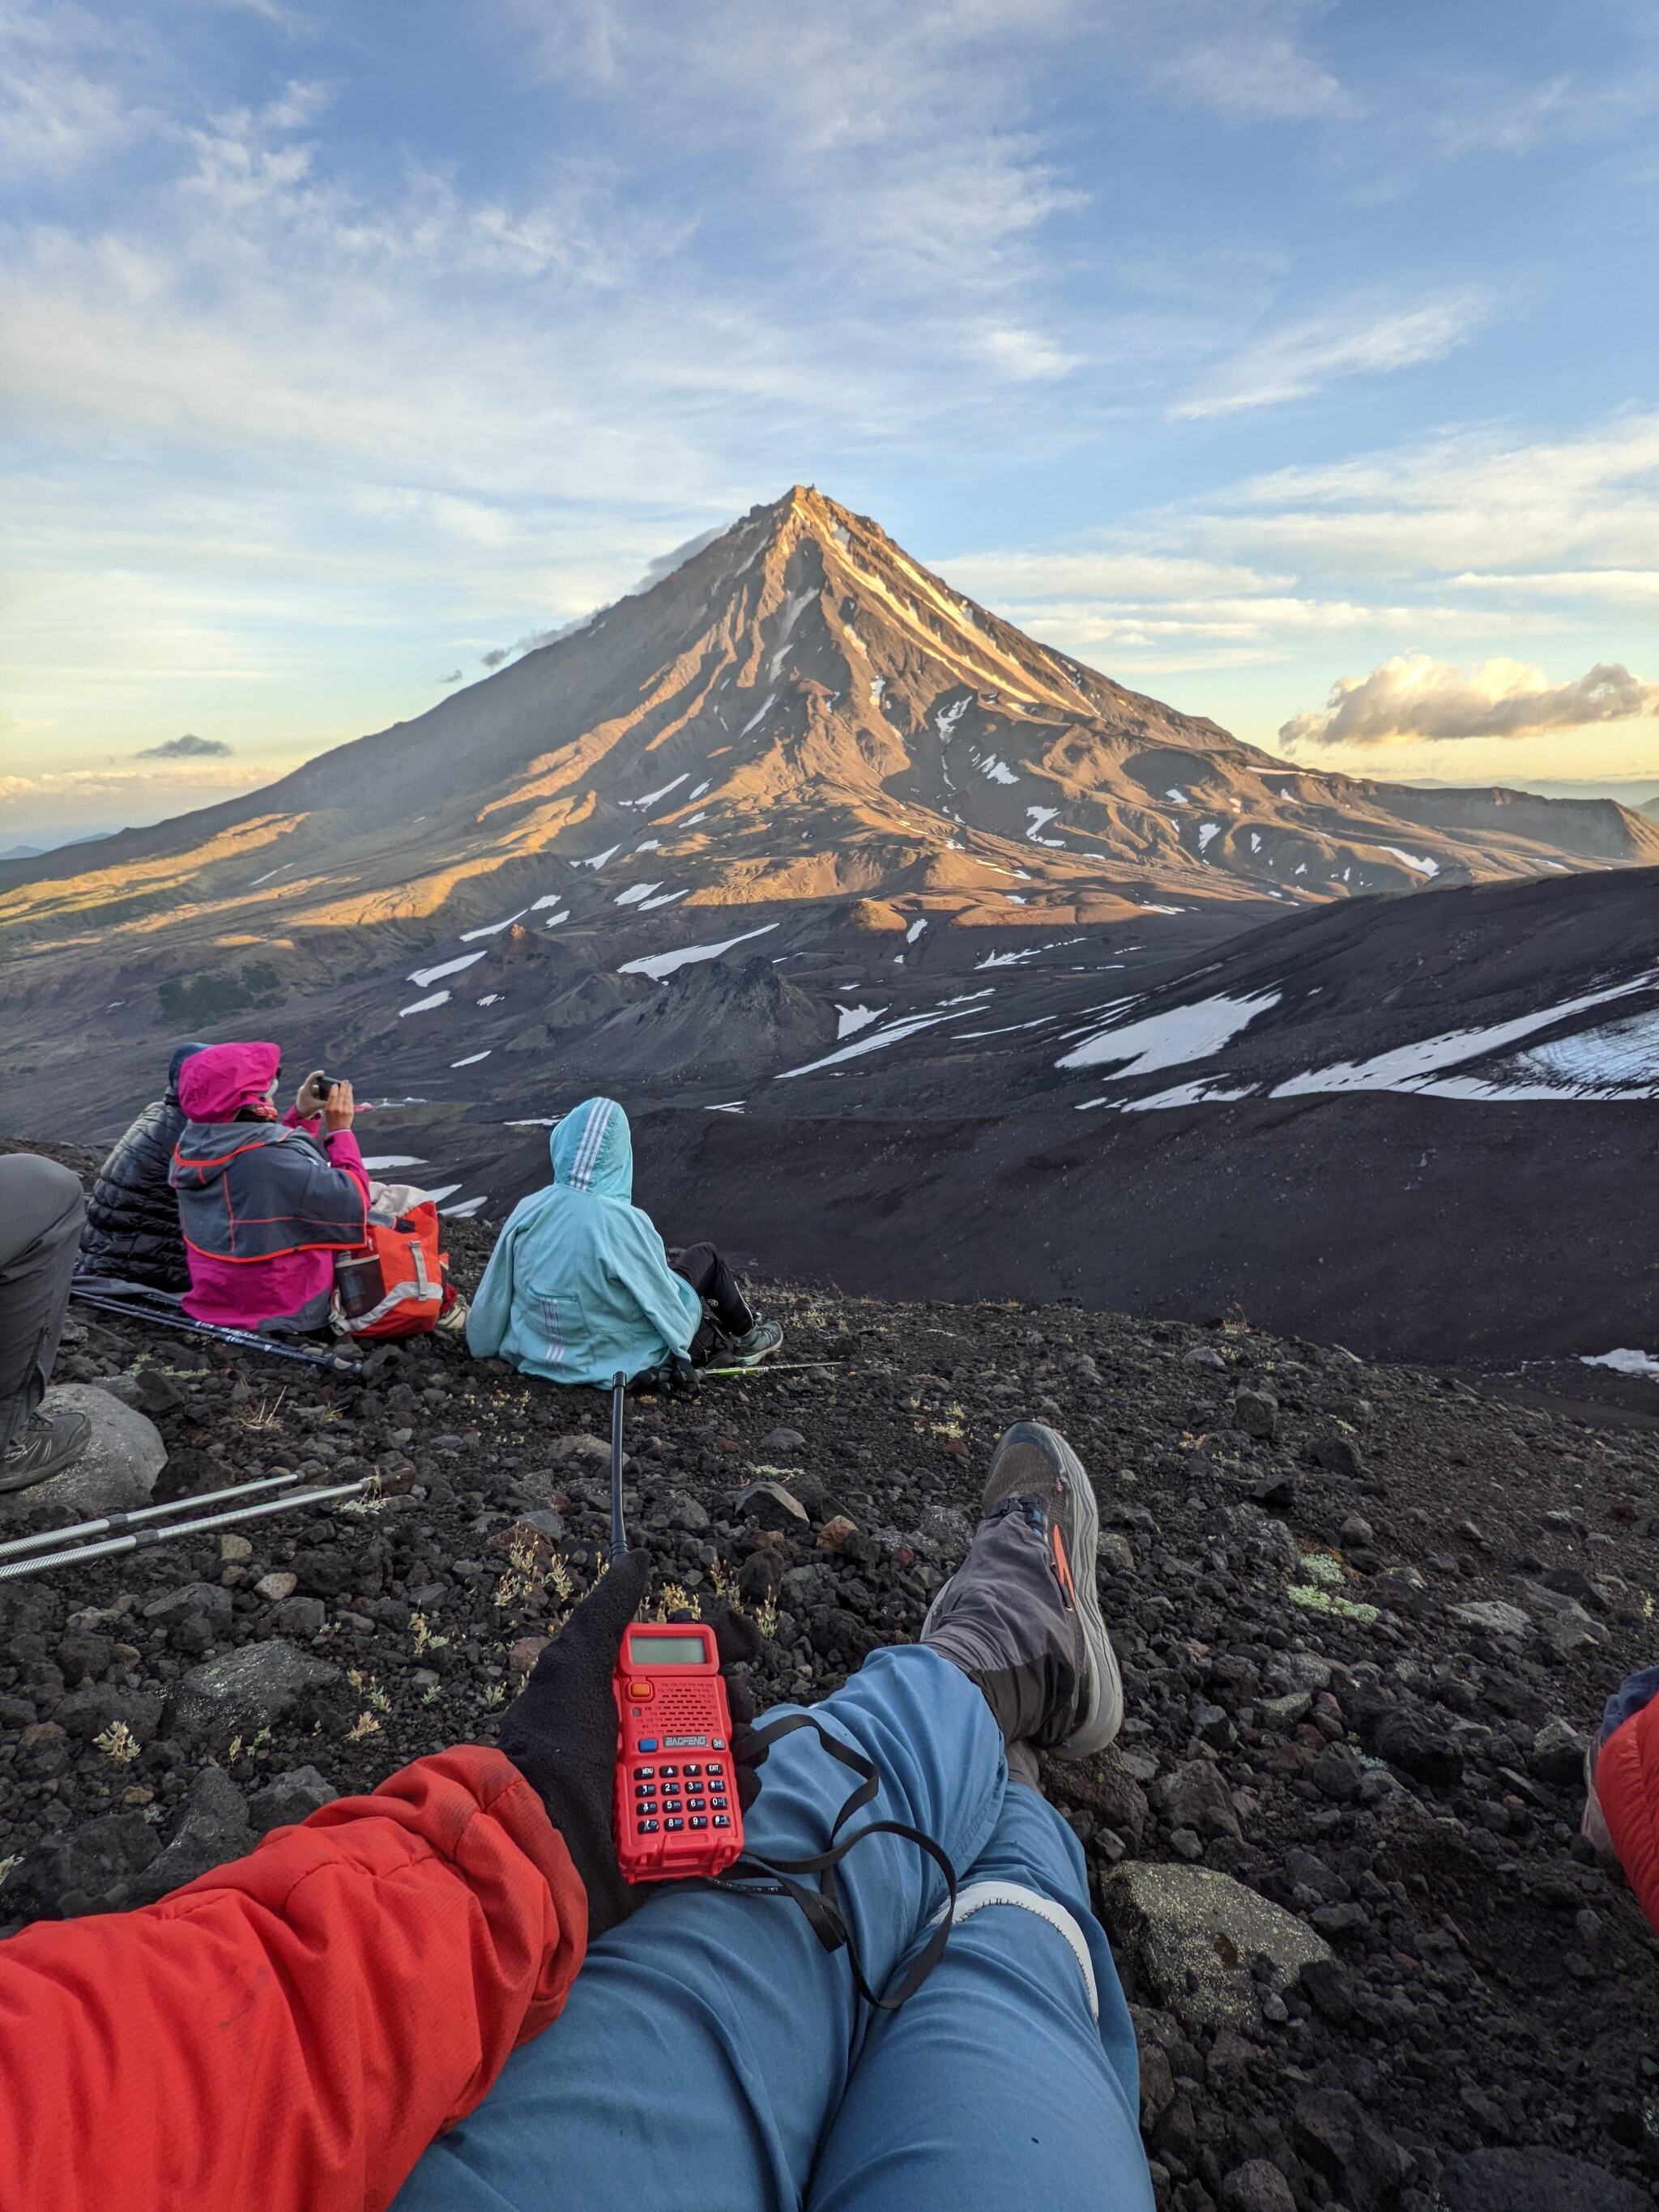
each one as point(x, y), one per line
point(1177, 1034)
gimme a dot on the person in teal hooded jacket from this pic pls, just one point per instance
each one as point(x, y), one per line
point(579, 1286)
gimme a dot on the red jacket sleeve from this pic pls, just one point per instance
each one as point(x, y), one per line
point(1627, 1790)
point(287, 2033)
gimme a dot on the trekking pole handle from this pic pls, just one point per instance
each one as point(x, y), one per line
point(618, 1401)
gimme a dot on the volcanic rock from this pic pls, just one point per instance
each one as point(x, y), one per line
point(1205, 1943)
point(117, 1471)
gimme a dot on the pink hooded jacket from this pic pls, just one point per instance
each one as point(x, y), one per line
point(214, 1086)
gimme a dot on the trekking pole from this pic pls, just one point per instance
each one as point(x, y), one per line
point(619, 1402)
point(111, 1522)
point(776, 1367)
point(370, 1484)
point(332, 1363)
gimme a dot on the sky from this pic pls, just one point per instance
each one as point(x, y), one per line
point(1294, 360)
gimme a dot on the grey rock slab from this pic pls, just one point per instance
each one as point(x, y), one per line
point(1257, 2186)
point(1196, 1934)
point(1337, 2136)
point(1558, 1753)
point(286, 1798)
point(248, 1688)
point(215, 1829)
point(115, 1473)
point(1493, 1616)
point(1526, 2179)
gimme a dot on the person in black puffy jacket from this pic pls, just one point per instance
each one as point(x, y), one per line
point(133, 1216)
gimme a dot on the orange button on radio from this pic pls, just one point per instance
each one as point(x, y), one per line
point(639, 1691)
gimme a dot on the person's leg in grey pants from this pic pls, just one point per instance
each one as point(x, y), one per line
point(41, 1211)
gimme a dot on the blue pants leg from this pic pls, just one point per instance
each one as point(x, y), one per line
point(996, 2087)
point(709, 2040)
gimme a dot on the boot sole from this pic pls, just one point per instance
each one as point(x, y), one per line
point(1103, 1715)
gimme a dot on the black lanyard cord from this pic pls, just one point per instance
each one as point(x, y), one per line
point(822, 1904)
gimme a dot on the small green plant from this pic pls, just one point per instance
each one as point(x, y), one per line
point(766, 1619)
point(375, 1696)
point(364, 1725)
point(426, 1637)
point(118, 1742)
point(12, 1859)
point(675, 1598)
point(1318, 1588)
point(430, 1694)
point(495, 1694)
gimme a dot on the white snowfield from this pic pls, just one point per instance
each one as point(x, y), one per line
point(473, 1058)
point(383, 1160)
point(1624, 1362)
point(1418, 1067)
point(1178, 1034)
point(425, 975)
point(467, 1209)
point(598, 860)
point(661, 966)
point(494, 929)
point(893, 1034)
point(1419, 861)
point(424, 1005)
point(634, 893)
point(998, 771)
point(651, 798)
point(852, 1019)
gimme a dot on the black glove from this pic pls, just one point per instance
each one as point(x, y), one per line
point(561, 1731)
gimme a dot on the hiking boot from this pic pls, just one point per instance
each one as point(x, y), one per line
point(1020, 1615)
point(45, 1446)
point(755, 1345)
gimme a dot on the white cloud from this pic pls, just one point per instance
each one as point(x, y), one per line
point(1244, 59)
point(1023, 357)
point(1461, 500)
point(59, 111)
point(1359, 339)
point(1412, 697)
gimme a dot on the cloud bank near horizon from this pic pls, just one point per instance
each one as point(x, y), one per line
point(1412, 696)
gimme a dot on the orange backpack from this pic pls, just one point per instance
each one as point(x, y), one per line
point(397, 1284)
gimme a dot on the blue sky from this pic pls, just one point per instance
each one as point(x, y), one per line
point(1247, 348)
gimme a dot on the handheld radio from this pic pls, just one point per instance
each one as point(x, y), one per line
point(676, 1810)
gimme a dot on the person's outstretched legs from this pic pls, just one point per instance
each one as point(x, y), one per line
point(1010, 2080)
point(709, 2041)
point(41, 1211)
point(709, 2038)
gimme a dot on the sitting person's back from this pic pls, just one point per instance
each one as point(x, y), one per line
point(132, 1216)
point(264, 1203)
point(579, 1287)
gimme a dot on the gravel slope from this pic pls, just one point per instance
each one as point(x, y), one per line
point(1400, 1782)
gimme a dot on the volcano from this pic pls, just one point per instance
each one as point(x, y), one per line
point(802, 839)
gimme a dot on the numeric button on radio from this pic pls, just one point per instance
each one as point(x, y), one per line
point(721, 1820)
point(699, 1823)
point(672, 1826)
point(719, 1804)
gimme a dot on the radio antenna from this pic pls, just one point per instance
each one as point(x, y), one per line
point(618, 1401)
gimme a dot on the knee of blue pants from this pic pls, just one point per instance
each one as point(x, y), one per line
point(1010, 2080)
point(707, 2038)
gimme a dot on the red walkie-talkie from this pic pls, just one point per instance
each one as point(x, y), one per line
point(676, 1810)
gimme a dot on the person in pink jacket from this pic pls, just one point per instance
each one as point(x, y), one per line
point(264, 1203)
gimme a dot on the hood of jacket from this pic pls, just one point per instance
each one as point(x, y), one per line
point(184, 1053)
point(217, 1082)
point(593, 1150)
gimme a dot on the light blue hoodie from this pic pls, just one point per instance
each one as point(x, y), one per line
point(579, 1286)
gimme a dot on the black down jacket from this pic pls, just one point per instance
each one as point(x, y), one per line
point(133, 1216)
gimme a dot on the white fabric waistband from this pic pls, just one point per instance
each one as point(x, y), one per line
point(979, 1894)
